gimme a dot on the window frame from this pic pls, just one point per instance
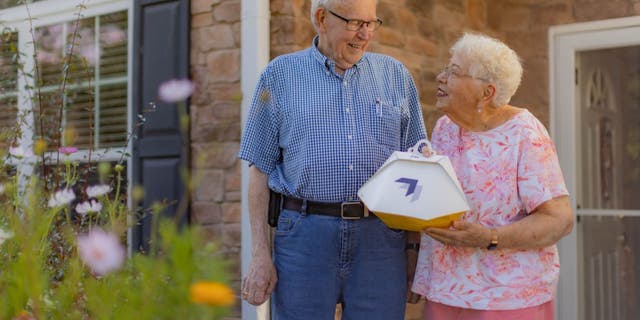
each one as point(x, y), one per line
point(48, 12)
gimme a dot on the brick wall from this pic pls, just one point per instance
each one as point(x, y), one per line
point(417, 32)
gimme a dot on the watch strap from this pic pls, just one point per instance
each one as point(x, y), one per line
point(494, 240)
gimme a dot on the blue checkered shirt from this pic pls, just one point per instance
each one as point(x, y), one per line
point(319, 135)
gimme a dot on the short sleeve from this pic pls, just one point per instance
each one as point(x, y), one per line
point(259, 144)
point(539, 176)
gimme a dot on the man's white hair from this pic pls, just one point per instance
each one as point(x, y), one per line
point(492, 60)
point(315, 4)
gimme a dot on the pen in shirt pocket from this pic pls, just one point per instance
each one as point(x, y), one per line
point(378, 107)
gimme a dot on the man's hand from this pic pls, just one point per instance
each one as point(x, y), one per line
point(260, 280)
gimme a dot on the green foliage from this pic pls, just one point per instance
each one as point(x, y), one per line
point(37, 279)
point(50, 268)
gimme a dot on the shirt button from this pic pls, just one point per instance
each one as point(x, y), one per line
point(344, 83)
point(347, 110)
point(350, 137)
point(350, 167)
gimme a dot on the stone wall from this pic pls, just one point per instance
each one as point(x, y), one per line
point(417, 32)
point(215, 124)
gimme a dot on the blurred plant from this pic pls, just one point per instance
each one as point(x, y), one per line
point(62, 233)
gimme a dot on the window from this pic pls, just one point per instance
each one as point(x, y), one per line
point(8, 87)
point(75, 77)
point(95, 103)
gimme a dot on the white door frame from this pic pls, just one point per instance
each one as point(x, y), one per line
point(255, 56)
point(564, 42)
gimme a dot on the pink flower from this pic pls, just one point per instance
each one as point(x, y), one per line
point(20, 152)
point(91, 206)
point(4, 235)
point(61, 198)
point(88, 52)
point(101, 251)
point(45, 57)
point(112, 34)
point(175, 90)
point(98, 190)
point(67, 150)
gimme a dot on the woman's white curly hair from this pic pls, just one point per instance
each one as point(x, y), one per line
point(492, 60)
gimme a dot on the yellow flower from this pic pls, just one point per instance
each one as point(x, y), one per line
point(137, 194)
point(23, 315)
point(39, 146)
point(70, 135)
point(211, 293)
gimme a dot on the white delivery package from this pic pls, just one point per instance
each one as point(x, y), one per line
point(413, 192)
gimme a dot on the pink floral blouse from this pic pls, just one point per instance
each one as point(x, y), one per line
point(505, 173)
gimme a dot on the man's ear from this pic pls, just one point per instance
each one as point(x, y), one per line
point(321, 16)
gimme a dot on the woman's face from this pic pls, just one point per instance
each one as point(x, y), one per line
point(458, 92)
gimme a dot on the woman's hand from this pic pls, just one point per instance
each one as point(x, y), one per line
point(543, 227)
point(462, 234)
point(422, 147)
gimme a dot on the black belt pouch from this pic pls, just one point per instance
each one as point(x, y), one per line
point(275, 205)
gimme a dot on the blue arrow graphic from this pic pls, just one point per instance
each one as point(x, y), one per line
point(411, 185)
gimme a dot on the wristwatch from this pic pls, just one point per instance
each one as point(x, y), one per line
point(494, 240)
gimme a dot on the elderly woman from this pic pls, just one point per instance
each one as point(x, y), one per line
point(500, 260)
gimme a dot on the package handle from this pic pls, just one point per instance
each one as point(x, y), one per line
point(423, 148)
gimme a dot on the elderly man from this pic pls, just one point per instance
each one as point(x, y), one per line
point(322, 121)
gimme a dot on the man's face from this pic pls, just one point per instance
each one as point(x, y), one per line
point(343, 46)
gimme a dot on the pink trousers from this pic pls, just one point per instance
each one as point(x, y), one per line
point(438, 311)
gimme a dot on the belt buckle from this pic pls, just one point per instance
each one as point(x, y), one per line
point(350, 207)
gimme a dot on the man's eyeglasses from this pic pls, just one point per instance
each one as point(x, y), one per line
point(454, 70)
point(356, 24)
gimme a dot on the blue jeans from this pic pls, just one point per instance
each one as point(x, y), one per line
point(322, 261)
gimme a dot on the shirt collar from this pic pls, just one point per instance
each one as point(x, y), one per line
point(326, 62)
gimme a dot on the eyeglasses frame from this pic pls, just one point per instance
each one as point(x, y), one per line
point(350, 22)
point(448, 71)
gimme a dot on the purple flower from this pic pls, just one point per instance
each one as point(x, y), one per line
point(101, 251)
point(175, 90)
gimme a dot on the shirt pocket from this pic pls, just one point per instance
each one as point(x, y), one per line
point(386, 119)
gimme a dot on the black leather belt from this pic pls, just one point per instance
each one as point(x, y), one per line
point(344, 210)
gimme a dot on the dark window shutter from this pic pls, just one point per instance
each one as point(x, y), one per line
point(161, 52)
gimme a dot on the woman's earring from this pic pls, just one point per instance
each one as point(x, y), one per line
point(479, 108)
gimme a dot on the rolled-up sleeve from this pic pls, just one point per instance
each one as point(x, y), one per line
point(259, 144)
